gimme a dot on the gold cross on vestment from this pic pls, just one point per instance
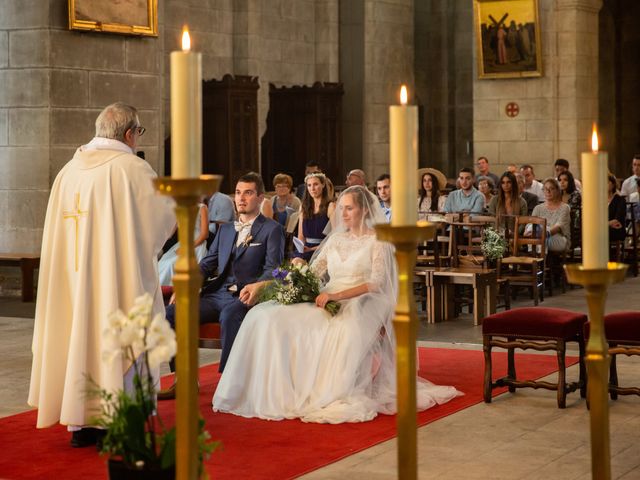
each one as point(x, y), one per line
point(75, 215)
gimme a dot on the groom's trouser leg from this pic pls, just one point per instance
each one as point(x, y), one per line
point(231, 317)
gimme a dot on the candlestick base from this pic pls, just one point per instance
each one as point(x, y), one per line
point(405, 323)
point(187, 282)
point(596, 281)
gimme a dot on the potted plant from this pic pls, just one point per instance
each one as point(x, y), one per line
point(138, 444)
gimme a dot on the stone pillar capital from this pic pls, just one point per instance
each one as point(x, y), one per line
point(584, 5)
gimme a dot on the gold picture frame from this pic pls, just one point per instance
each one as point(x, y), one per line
point(507, 38)
point(126, 17)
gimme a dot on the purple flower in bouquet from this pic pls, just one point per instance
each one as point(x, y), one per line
point(280, 274)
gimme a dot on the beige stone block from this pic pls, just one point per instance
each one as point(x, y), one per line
point(269, 50)
point(142, 55)
point(298, 52)
point(4, 126)
point(24, 88)
point(567, 130)
point(22, 14)
point(4, 49)
point(567, 43)
point(327, 11)
point(24, 168)
point(491, 150)
point(142, 91)
point(26, 208)
point(99, 52)
point(225, 21)
point(29, 48)
point(500, 130)
point(59, 14)
point(62, 95)
point(19, 240)
point(486, 110)
point(302, 10)
point(540, 87)
point(28, 126)
point(536, 153)
point(73, 127)
point(567, 87)
point(393, 13)
point(203, 20)
point(532, 109)
point(499, 89)
point(540, 130)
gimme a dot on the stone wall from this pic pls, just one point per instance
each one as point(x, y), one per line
point(388, 63)
point(557, 109)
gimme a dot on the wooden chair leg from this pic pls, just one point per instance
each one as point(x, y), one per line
point(511, 365)
point(486, 341)
point(583, 370)
point(613, 376)
point(562, 380)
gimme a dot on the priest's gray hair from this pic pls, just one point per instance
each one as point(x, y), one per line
point(114, 121)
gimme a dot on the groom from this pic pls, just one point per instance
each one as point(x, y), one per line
point(240, 260)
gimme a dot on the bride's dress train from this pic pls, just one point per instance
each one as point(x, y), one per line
point(296, 361)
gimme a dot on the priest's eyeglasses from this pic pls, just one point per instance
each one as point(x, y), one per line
point(139, 130)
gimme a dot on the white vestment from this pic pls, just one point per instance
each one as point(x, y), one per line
point(104, 227)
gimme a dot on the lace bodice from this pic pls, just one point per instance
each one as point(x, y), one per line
point(348, 260)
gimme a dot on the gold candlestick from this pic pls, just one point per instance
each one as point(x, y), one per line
point(596, 282)
point(405, 323)
point(187, 282)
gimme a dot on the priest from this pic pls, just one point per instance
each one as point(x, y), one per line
point(104, 227)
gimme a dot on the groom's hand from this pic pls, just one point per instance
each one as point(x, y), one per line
point(249, 293)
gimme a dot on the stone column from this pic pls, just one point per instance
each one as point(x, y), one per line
point(577, 59)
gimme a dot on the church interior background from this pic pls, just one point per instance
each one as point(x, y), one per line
point(347, 60)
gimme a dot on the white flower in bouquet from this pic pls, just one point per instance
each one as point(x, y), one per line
point(161, 341)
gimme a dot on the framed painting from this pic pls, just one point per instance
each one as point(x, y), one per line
point(127, 17)
point(508, 38)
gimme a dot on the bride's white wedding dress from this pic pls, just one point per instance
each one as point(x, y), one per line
point(296, 361)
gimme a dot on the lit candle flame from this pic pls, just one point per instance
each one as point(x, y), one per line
point(594, 139)
point(186, 40)
point(403, 95)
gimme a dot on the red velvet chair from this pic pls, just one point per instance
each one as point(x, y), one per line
point(622, 330)
point(209, 332)
point(540, 329)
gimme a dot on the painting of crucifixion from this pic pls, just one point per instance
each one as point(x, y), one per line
point(508, 38)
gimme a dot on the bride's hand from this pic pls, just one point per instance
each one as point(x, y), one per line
point(323, 299)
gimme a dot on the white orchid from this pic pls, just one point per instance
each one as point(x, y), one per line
point(161, 341)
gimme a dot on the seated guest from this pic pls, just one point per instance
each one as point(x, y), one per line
point(356, 177)
point(317, 208)
point(617, 211)
point(629, 185)
point(530, 198)
point(383, 189)
point(466, 198)
point(221, 210)
point(570, 194)
point(310, 167)
point(240, 260)
point(562, 166)
point(507, 201)
point(486, 187)
point(558, 217)
point(167, 263)
point(432, 198)
point(284, 202)
point(483, 171)
point(531, 185)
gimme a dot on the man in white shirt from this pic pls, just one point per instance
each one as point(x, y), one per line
point(383, 189)
point(629, 186)
point(104, 227)
point(531, 185)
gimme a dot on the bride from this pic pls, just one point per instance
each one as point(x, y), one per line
point(297, 361)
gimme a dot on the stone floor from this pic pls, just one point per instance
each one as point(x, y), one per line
point(518, 436)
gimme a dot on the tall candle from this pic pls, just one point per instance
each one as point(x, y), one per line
point(595, 218)
point(403, 153)
point(186, 111)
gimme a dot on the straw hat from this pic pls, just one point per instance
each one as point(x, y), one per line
point(442, 180)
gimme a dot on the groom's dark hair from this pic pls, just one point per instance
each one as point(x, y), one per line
point(253, 177)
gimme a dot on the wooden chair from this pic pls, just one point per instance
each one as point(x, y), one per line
point(525, 266)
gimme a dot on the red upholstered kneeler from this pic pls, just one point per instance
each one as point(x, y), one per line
point(622, 330)
point(209, 332)
point(538, 328)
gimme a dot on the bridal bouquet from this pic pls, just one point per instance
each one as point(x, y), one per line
point(135, 436)
point(295, 284)
point(493, 244)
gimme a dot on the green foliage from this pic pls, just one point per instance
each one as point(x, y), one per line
point(493, 244)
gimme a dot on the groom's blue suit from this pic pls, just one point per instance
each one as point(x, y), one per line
point(233, 268)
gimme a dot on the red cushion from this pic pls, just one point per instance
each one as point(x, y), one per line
point(620, 327)
point(210, 330)
point(540, 322)
point(167, 291)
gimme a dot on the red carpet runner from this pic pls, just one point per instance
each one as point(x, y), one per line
point(258, 449)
